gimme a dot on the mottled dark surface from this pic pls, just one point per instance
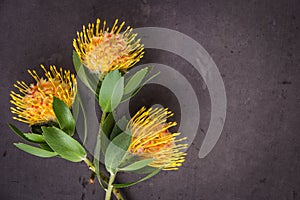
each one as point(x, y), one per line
point(255, 45)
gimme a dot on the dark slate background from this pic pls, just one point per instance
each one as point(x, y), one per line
point(255, 45)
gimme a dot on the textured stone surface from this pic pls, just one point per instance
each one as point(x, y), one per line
point(255, 45)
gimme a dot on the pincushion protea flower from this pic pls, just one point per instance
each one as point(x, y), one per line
point(34, 105)
point(102, 50)
point(152, 139)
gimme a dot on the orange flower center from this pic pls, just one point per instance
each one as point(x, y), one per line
point(107, 51)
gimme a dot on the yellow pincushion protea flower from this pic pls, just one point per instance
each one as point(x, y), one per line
point(102, 50)
point(152, 139)
point(34, 105)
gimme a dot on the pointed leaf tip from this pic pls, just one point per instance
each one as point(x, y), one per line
point(64, 116)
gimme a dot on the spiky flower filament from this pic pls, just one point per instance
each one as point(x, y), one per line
point(34, 104)
point(102, 50)
point(152, 139)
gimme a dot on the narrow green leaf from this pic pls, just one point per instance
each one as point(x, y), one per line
point(76, 61)
point(97, 91)
point(79, 110)
point(23, 135)
point(64, 116)
point(97, 161)
point(90, 80)
point(62, 143)
point(18, 132)
point(137, 165)
point(97, 153)
point(135, 80)
point(145, 170)
point(132, 94)
point(130, 158)
point(111, 91)
point(35, 150)
point(116, 151)
point(93, 79)
point(123, 185)
point(35, 137)
point(79, 69)
point(76, 107)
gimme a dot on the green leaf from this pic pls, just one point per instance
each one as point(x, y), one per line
point(62, 143)
point(35, 150)
point(36, 138)
point(97, 153)
point(97, 161)
point(123, 185)
point(76, 106)
point(89, 79)
point(116, 151)
point(137, 165)
point(79, 69)
point(97, 91)
point(131, 158)
point(145, 170)
point(136, 80)
point(76, 61)
point(64, 116)
point(111, 91)
point(18, 132)
point(119, 127)
point(132, 94)
point(79, 110)
point(21, 134)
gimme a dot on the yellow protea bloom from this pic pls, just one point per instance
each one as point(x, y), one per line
point(34, 104)
point(152, 139)
point(102, 50)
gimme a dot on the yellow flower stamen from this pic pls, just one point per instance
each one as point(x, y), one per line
point(104, 50)
point(34, 106)
point(152, 139)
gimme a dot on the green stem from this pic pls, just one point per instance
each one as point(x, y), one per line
point(115, 191)
point(90, 165)
point(110, 186)
point(102, 119)
point(101, 175)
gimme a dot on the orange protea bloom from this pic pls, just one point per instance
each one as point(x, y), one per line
point(151, 139)
point(34, 105)
point(102, 50)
